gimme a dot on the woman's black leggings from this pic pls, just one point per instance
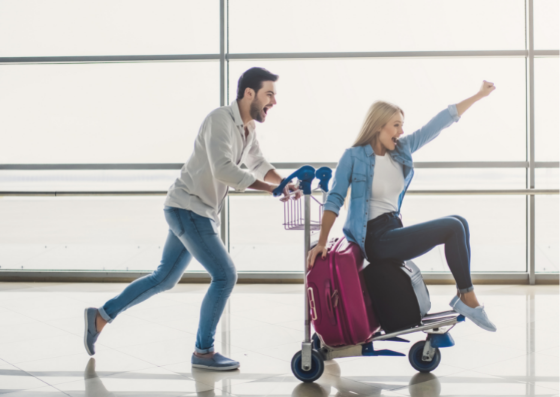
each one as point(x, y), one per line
point(388, 239)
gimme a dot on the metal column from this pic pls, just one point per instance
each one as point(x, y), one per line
point(530, 62)
point(530, 344)
point(224, 216)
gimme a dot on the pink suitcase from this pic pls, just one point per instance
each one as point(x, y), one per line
point(340, 307)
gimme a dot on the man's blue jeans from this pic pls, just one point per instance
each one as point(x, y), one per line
point(189, 235)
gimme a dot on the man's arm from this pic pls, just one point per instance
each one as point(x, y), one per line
point(220, 153)
point(217, 138)
point(261, 168)
point(273, 177)
point(263, 186)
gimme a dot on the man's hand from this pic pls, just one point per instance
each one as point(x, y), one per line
point(288, 189)
point(312, 255)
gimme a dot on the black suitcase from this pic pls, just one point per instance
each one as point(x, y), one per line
point(398, 293)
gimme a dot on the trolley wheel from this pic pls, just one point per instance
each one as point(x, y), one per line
point(415, 358)
point(317, 367)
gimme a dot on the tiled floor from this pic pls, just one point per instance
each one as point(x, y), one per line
point(146, 351)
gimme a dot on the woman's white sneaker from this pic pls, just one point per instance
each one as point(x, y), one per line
point(477, 314)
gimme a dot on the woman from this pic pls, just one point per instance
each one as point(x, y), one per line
point(378, 168)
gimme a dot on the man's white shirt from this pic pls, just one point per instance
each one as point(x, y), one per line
point(220, 149)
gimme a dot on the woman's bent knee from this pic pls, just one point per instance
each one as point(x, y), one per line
point(462, 220)
point(454, 225)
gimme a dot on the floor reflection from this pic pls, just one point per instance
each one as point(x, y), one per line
point(329, 385)
point(430, 385)
point(220, 382)
point(262, 328)
point(93, 384)
point(312, 390)
point(332, 383)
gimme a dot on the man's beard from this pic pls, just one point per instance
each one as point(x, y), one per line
point(256, 111)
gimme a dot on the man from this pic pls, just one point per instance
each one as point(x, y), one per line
point(225, 141)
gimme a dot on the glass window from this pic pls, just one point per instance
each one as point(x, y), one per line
point(322, 104)
point(105, 113)
point(258, 240)
point(497, 226)
point(460, 178)
point(151, 113)
point(87, 180)
point(104, 27)
point(83, 233)
point(547, 103)
point(547, 178)
point(547, 235)
point(546, 21)
point(361, 25)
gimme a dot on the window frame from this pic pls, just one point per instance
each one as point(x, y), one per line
point(224, 56)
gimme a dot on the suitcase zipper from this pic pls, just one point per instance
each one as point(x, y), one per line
point(334, 298)
point(341, 318)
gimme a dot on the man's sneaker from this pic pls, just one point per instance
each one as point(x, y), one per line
point(477, 314)
point(90, 330)
point(216, 363)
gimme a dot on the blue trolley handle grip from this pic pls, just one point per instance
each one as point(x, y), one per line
point(324, 175)
point(305, 175)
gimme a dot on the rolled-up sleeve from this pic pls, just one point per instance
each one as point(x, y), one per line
point(256, 163)
point(432, 129)
point(453, 112)
point(218, 141)
point(341, 182)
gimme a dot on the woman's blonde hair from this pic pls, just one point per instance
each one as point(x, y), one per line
point(377, 116)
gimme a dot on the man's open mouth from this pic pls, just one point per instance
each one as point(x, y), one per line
point(265, 110)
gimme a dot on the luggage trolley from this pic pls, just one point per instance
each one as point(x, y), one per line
point(308, 364)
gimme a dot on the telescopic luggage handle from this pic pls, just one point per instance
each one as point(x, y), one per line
point(305, 175)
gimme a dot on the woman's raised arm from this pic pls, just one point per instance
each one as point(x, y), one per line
point(485, 90)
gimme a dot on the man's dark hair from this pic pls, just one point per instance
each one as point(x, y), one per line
point(253, 78)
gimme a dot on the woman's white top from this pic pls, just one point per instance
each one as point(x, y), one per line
point(388, 183)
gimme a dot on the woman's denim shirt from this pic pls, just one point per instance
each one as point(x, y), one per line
point(355, 170)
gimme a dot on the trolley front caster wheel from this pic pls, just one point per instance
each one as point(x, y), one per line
point(415, 358)
point(317, 367)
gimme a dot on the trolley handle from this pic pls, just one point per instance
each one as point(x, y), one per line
point(324, 175)
point(305, 174)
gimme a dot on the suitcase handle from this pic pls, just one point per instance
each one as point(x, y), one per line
point(312, 303)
